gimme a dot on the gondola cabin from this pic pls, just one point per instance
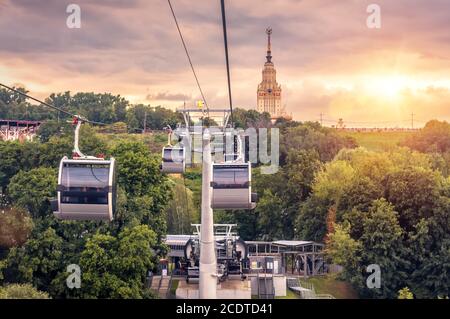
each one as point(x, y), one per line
point(86, 189)
point(231, 186)
point(173, 160)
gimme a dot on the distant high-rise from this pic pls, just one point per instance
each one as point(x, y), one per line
point(269, 92)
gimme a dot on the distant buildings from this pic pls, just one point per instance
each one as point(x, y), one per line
point(18, 130)
point(269, 91)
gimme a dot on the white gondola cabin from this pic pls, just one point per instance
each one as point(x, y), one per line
point(231, 186)
point(86, 189)
point(173, 160)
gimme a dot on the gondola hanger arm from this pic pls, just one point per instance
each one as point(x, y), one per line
point(76, 153)
point(169, 135)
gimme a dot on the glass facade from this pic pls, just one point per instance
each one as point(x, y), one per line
point(85, 184)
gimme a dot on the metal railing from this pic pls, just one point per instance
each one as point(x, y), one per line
point(305, 289)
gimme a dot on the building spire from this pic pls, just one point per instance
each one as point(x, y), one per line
point(269, 46)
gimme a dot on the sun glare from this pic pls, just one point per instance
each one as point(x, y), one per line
point(388, 86)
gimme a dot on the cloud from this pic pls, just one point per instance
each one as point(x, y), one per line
point(320, 48)
point(165, 96)
point(359, 106)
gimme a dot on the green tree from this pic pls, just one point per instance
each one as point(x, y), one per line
point(310, 223)
point(15, 227)
point(429, 254)
point(372, 165)
point(106, 108)
point(414, 192)
point(343, 250)
point(22, 291)
point(62, 101)
point(301, 168)
point(382, 245)
point(250, 118)
point(148, 191)
point(33, 190)
point(53, 128)
point(292, 184)
point(270, 215)
point(38, 262)
point(434, 137)
point(359, 196)
point(328, 190)
point(334, 181)
point(405, 293)
point(138, 171)
point(91, 143)
point(312, 136)
point(181, 212)
point(15, 106)
point(246, 221)
point(10, 153)
point(154, 118)
point(51, 152)
point(116, 267)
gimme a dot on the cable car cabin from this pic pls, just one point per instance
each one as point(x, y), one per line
point(231, 184)
point(173, 160)
point(86, 189)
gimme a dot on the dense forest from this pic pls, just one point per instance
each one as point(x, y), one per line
point(390, 207)
point(104, 108)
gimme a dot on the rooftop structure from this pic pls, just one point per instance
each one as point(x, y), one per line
point(18, 130)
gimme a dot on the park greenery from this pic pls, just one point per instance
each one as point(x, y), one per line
point(387, 206)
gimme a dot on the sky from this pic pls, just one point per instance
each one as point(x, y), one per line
point(327, 60)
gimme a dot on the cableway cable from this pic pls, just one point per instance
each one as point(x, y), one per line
point(225, 40)
point(50, 105)
point(59, 109)
point(188, 56)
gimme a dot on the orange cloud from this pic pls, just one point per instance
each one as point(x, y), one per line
point(327, 60)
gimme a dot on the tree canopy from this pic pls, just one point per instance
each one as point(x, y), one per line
point(36, 248)
point(389, 208)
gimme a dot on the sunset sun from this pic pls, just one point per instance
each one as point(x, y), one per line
point(388, 86)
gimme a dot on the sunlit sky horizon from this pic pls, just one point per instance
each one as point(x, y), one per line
point(327, 60)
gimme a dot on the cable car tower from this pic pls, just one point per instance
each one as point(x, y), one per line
point(225, 184)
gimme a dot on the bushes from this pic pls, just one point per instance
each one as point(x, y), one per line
point(392, 205)
point(22, 291)
point(116, 267)
point(433, 138)
point(15, 227)
point(132, 242)
point(33, 189)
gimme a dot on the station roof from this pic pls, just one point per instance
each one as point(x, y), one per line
point(183, 239)
point(285, 243)
point(293, 243)
point(178, 239)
